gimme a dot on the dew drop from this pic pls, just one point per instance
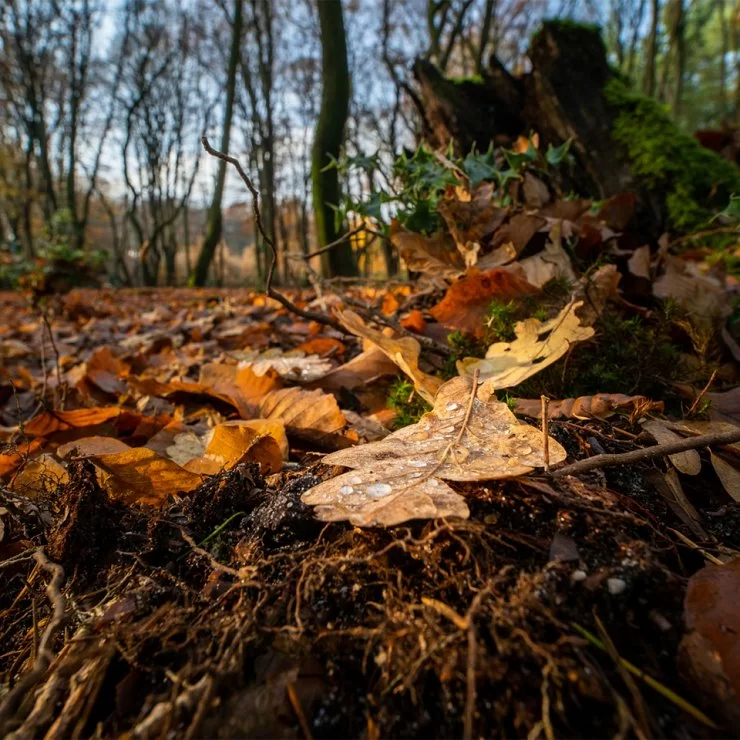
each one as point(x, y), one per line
point(378, 490)
point(418, 463)
point(433, 482)
point(447, 430)
point(355, 479)
point(415, 475)
point(345, 490)
point(453, 406)
point(524, 449)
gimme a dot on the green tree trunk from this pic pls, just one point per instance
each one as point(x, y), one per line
point(214, 223)
point(329, 137)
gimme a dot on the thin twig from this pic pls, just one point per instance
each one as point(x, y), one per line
point(545, 431)
point(295, 704)
point(702, 234)
point(62, 389)
point(319, 318)
point(648, 453)
point(331, 245)
point(697, 400)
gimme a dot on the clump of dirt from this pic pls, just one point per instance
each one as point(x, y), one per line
point(235, 613)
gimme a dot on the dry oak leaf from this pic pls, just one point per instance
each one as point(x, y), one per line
point(309, 415)
point(728, 475)
point(414, 321)
point(91, 446)
point(463, 438)
point(404, 352)
point(232, 443)
point(106, 371)
point(688, 462)
point(141, 475)
point(467, 300)
point(552, 262)
point(323, 346)
point(292, 365)
point(369, 365)
point(598, 406)
point(242, 384)
point(433, 255)
point(537, 345)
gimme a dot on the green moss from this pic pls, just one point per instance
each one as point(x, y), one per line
point(470, 80)
point(406, 402)
point(463, 345)
point(627, 355)
point(695, 181)
point(500, 320)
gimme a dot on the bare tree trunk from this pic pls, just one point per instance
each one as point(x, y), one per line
point(652, 50)
point(329, 136)
point(678, 41)
point(214, 224)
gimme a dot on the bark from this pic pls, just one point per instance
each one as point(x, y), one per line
point(214, 224)
point(652, 50)
point(562, 98)
point(329, 137)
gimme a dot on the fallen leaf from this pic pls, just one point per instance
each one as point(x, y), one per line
point(390, 304)
point(369, 365)
point(725, 406)
point(309, 415)
point(598, 406)
point(704, 296)
point(728, 474)
point(185, 447)
point(242, 385)
point(537, 346)
point(404, 352)
point(141, 475)
point(414, 322)
point(18, 454)
point(461, 439)
point(552, 262)
point(618, 211)
point(289, 365)
point(91, 446)
point(687, 462)
point(106, 371)
point(48, 422)
point(323, 346)
point(519, 231)
point(433, 255)
point(233, 443)
point(594, 290)
point(38, 477)
point(271, 427)
point(536, 193)
point(466, 301)
point(639, 263)
point(712, 608)
point(13, 349)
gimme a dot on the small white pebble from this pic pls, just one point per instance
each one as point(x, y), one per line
point(615, 586)
point(578, 575)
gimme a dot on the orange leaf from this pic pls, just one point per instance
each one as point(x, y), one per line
point(106, 371)
point(415, 322)
point(467, 300)
point(141, 475)
point(91, 446)
point(48, 422)
point(9, 461)
point(323, 346)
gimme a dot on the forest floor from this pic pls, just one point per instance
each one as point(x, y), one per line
point(161, 574)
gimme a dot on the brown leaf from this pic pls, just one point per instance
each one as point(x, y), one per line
point(435, 255)
point(106, 371)
point(537, 346)
point(141, 475)
point(550, 263)
point(323, 346)
point(618, 211)
point(233, 443)
point(598, 406)
point(414, 322)
point(712, 608)
point(404, 351)
point(687, 462)
point(91, 446)
point(728, 474)
point(309, 415)
point(48, 422)
point(290, 365)
point(39, 477)
point(725, 406)
point(369, 365)
point(594, 290)
point(467, 300)
point(519, 231)
point(461, 439)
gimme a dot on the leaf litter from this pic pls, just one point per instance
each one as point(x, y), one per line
point(182, 493)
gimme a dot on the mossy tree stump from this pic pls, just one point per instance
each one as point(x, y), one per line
point(622, 141)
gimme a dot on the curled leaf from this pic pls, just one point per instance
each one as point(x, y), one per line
point(537, 345)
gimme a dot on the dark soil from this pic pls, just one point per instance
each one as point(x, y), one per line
point(281, 626)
